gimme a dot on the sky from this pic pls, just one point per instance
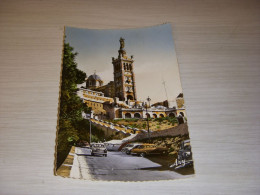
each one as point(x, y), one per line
point(154, 57)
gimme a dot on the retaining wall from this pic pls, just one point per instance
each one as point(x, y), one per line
point(108, 130)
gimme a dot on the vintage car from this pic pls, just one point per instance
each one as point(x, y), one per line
point(128, 148)
point(113, 145)
point(184, 158)
point(149, 149)
point(98, 149)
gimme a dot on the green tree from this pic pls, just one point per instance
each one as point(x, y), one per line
point(71, 106)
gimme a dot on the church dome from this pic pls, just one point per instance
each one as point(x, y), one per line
point(94, 77)
point(94, 81)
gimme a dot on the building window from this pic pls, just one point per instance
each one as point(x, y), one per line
point(154, 115)
point(127, 115)
point(137, 115)
point(171, 115)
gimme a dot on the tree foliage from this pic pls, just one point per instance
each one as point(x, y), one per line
point(72, 126)
point(71, 106)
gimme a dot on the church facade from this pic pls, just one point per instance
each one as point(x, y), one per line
point(118, 98)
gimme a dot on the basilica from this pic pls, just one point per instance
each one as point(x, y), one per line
point(118, 98)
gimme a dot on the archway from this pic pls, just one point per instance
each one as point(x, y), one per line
point(182, 113)
point(148, 115)
point(161, 115)
point(129, 97)
point(172, 115)
point(154, 115)
point(137, 115)
point(128, 115)
point(180, 119)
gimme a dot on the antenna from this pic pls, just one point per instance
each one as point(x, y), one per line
point(165, 89)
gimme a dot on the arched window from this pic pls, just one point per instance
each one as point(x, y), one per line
point(172, 115)
point(154, 115)
point(161, 115)
point(128, 115)
point(129, 97)
point(137, 115)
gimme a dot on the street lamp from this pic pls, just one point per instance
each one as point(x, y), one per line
point(89, 119)
point(89, 131)
point(147, 117)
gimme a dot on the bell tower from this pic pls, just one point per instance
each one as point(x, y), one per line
point(124, 77)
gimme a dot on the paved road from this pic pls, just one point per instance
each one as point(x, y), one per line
point(117, 167)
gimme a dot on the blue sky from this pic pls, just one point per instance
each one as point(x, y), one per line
point(154, 56)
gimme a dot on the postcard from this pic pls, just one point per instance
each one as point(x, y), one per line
point(122, 114)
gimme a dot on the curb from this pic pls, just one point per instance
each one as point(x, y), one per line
point(65, 168)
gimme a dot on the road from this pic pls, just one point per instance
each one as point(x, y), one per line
point(117, 166)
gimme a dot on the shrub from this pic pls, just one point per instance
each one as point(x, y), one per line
point(132, 126)
point(131, 119)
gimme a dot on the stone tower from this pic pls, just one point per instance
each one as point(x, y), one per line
point(124, 77)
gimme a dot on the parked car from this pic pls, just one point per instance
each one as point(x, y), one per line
point(98, 149)
point(128, 148)
point(113, 145)
point(184, 158)
point(149, 149)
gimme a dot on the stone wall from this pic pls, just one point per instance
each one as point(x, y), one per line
point(181, 129)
